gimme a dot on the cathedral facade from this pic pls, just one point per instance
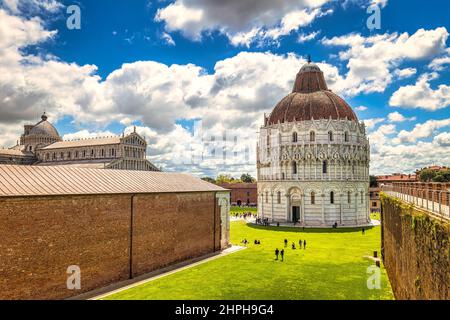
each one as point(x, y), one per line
point(41, 145)
point(313, 158)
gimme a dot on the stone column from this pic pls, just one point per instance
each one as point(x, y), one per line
point(271, 211)
point(323, 209)
point(288, 208)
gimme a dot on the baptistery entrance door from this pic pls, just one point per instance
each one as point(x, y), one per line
point(295, 214)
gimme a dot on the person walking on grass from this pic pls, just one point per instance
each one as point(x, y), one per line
point(363, 231)
point(282, 255)
point(285, 242)
point(304, 244)
point(300, 243)
point(277, 252)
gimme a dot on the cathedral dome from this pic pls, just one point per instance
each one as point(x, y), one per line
point(311, 99)
point(45, 128)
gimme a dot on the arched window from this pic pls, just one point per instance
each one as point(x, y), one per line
point(324, 167)
point(349, 197)
point(332, 197)
point(312, 136)
point(313, 198)
point(294, 137)
point(330, 136)
point(346, 136)
point(294, 167)
point(278, 197)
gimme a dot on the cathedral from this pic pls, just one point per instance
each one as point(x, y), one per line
point(41, 145)
point(313, 158)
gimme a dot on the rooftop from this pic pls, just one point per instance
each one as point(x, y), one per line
point(17, 181)
point(101, 141)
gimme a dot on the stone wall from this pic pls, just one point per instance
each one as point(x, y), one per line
point(416, 252)
point(42, 236)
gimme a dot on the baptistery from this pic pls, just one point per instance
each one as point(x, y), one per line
point(313, 158)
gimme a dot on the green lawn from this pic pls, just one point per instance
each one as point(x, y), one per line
point(375, 216)
point(331, 267)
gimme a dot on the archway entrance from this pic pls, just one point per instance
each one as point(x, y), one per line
point(295, 214)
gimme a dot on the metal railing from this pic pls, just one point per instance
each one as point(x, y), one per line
point(431, 200)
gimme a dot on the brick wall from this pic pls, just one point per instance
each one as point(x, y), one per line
point(415, 249)
point(41, 237)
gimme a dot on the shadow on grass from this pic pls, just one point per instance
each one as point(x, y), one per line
point(308, 230)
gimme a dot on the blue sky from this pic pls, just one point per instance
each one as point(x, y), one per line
point(178, 51)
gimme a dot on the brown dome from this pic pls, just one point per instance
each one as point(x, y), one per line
point(311, 99)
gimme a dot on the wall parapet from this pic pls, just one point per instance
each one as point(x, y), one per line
point(415, 251)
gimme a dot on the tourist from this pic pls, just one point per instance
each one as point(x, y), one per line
point(282, 254)
point(276, 253)
point(285, 242)
point(363, 231)
point(304, 244)
point(293, 245)
point(300, 244)
point(278, 224)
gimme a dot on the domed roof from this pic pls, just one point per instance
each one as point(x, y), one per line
point(311, 99)
point(45, 128)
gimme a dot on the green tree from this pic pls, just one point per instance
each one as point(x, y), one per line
point(373, 182)
point(427, 175)
point(247, 178)
point(208, 179)
point(225, 178)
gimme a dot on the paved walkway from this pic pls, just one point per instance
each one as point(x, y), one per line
point(139, 282)
point(373, 223)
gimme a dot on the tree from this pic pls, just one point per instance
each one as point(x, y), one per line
point(373, 182)
point(427, 175)
point(208, 179)
point(247, 178)
point(225, 178)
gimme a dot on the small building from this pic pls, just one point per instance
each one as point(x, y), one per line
point(375, 202)
point(242, 194)
point(113, 225)
point(41, 145)
point(396, 177)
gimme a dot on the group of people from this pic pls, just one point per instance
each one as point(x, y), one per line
point(242, 215)
point(281, 253)
point(300, 243)
point(264, 222)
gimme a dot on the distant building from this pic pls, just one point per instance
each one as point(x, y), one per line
point(375, 203)
point(242, 194)
point(432, 168)
point(41, 145)
point(396, 177)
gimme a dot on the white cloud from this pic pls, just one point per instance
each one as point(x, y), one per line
point(241, 21)
point(86, 134)
point(405, 73)
point(443, 139)
point(372, 60)
point(398, 117)
point(307, 37)
point(422, 130)
point(372, 123)
point(440, 63)
point(421, 95)
point(361, 108)
point(168, 39)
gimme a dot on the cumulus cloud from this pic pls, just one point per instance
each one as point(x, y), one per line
point(421, 95)
point(422, 130)
point(361, 108)
point(398, 117)
point(409, 151)
point(241, 21)
point(373, 61)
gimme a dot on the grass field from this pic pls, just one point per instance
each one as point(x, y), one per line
point(331, 267)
